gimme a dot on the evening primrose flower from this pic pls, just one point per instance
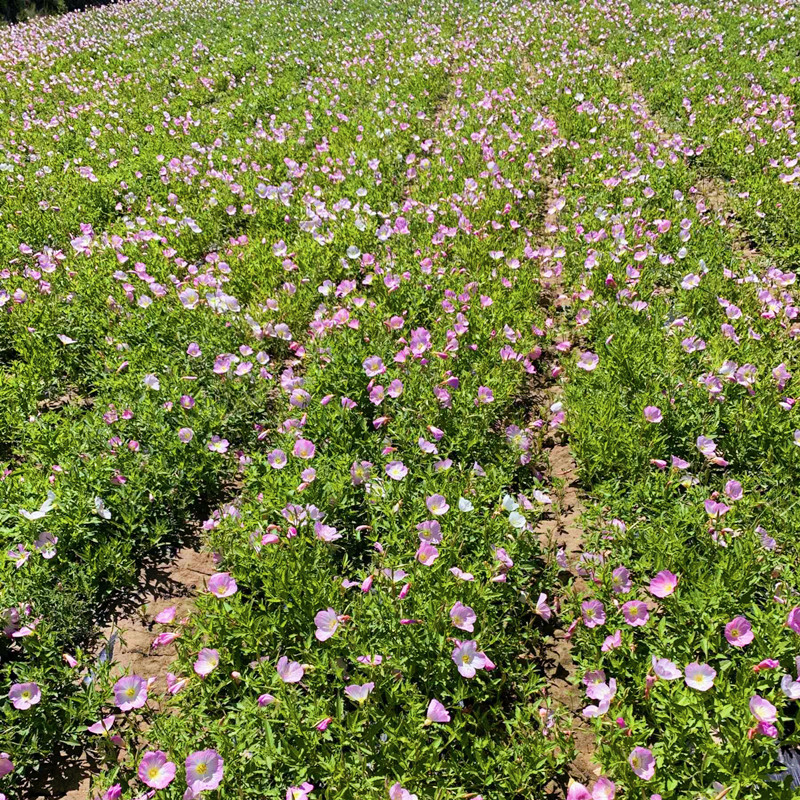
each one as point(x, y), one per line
point(436, 712)
point(635, 613)
point(642, 763)
point(665, 669)
point(207, 661)
point(24, 695)
point(594, 614)
point(222, 585)
point(762, 709)
point(299, 792)
point(663, 584)
point(468, 658)
point(327, 622)
point(289, 671)
point(621, 580)
point(103, 726)
point(426, 554)
point(588, 361)
point(359, 693)
point(463, 617)
point(185, 435)
point(739, 632)
point(155, 770)
point(699, 676)
point(303, 448)
point(793, 621)
point(653, 414)
point(396, 470)
point(437, 505)
point(204, 770)
point(277, 459)
point(130, 692)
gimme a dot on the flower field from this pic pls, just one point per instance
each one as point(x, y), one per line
point(460, 339)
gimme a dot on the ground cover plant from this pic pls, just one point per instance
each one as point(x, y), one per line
point(329, 282)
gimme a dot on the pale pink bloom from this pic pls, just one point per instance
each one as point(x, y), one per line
point(222, 585)
point(437, 712)
point(130, 692)
point(642, 763)
point(588, 361)
point(24, 695)
point(665, 669)
point(426, 554)
point(277, 459)
point(289, 671)
point(699, 676)
point(463, 617)
point(175, 684)
point(266, 699)
point(207, 661)
point(437, 505)
point(303, 448)
point(653, 414)
point(6, 764)
point(299, 792)
point(762, 709)
point(542, 609)
point(155, 770)
point(102, 727)
point(635, 613)
point(461, 575)
point(739, 632)
point(663, 584)
point(468, 658)
point(327, 621)
point(793, 620)
point(594, 614)
point(612, 642)
point(185, 435)
point(604, 789)
point(322, 725)
point(359, 693)
point(396, 470)
point(204, 770)
point(577, 791)
point(397, 792)
point(164, 638)
point(621, 580)
point(166, 616)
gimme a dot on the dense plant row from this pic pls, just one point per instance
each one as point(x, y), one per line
point(306, 272)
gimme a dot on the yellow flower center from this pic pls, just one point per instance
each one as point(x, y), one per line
point(201, 768)
point(152, 772)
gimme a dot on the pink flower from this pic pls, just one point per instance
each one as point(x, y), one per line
point(373, 366)
point(468, 658)
point(299, 792)
point(277, 459)
point(653, 414)
point(322, 725)
point(396, 470)
point(327, 622)
point(612, 642)
point(663, 584)
point(155, 770)
point(542, 609)
point(130, 692)
point(485, 395)
point(437, 505)
point(289, 671)
point(463, 617)
point(6, 764)
point(204, 770)
point(739, 632)
point(699, 676)
point(359, 693)
point(642, 763)
point(588, 361)
point(762, 709)
point(24, 695)
point(102, 727)
point(577, 791)
point(166, 616)
point(222, 585)
point(635, 613)
point(594, 614)
point(437, 712)
point(207, 661)
point(621, 580)
point(665, 669)
point(303, 448)
point(185, 435)
point(265, 700)
point(426, 554)
point(794, 619)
